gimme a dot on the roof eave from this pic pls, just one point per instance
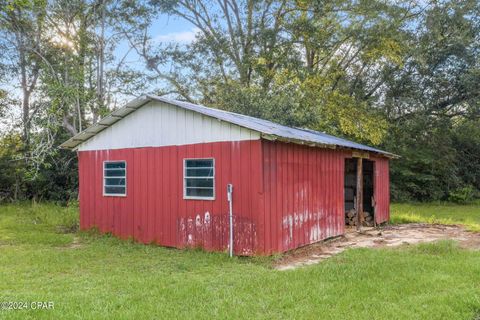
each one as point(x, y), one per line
point(272, 137)
point(74, 142)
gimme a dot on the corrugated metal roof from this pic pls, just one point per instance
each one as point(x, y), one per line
point(269, 130)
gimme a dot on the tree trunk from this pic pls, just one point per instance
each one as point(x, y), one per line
point(101, 63)
point(25, 93)
point(26, 118)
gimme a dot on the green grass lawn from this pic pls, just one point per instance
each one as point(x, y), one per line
point(445, 213)
point(89, 276)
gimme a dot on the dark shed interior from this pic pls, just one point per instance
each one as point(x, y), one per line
point(350, 190)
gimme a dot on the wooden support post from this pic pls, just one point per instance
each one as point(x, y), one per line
point(374, 205)
point(359, 193)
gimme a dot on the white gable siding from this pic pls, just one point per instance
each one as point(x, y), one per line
point(159, 124)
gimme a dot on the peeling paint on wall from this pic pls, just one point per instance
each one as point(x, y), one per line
point(304, 194)
point(285, 196)
point(154, 209)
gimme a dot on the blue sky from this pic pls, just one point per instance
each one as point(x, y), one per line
point(171, 28)
point(164, 29)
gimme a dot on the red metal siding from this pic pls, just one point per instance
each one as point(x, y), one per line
point(304, 194)
point(303, 197)
point(382, 190)
point(285, 196)
point(154, 210)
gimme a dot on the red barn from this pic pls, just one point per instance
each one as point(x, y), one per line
point(157, 171)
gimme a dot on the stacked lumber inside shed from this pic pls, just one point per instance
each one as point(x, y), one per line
point(351, 218)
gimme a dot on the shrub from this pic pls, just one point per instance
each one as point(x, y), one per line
point(463, 195)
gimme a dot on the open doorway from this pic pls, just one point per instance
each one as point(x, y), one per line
point(350, 191)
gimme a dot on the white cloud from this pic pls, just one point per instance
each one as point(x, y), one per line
point(184, 37)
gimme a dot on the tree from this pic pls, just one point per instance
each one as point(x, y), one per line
point(329, 59)
point(62, 53)
point(22, 23)
point(402, 75)
point(432, 100)
point(82, 73)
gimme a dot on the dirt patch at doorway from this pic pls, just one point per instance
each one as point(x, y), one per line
point(386, 236)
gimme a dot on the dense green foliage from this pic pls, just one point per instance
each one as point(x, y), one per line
point(400, 75)
point(90, 277)
point(53, 178)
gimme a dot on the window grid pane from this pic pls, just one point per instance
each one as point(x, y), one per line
point(114, 165)
point(199, 163)
point(115, 182)
point(116, 173)
point(199, 177)
point(200, 193)
point(114, 190)
point(199, 172)
point(114, 178)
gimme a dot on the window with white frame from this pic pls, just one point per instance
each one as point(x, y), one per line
point(199, 179)
point(114, 178)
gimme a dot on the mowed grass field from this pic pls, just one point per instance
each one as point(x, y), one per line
point(444, 213)
point(89, 276)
